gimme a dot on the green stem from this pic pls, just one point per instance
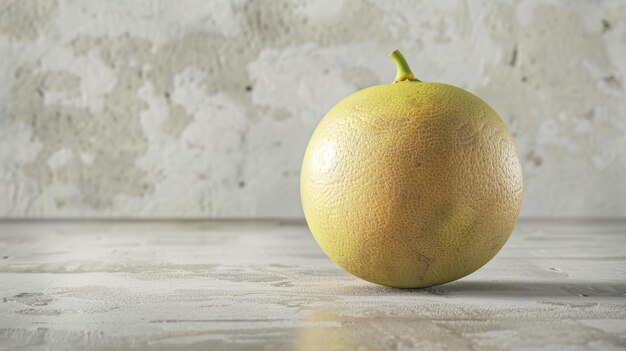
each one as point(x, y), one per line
point(403, 69)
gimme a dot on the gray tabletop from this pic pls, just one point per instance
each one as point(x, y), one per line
point(267, 286)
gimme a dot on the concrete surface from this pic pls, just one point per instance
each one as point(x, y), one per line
point(556, 285)
point(204, 108)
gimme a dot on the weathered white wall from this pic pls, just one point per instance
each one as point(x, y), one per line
point(204, 108)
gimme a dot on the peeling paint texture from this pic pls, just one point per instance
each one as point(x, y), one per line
point(203, 109)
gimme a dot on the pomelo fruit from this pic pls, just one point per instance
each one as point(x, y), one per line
point(411, 184)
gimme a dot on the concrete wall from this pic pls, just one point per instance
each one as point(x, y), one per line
point(204, 108)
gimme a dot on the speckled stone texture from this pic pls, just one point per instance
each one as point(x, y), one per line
point(204, 108)
point(557, 285)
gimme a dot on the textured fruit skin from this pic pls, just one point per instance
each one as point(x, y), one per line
point(411, 184)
